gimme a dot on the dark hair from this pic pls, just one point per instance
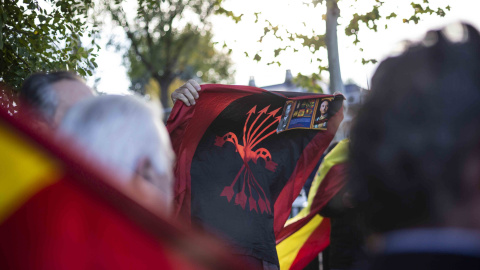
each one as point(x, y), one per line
point(415, 131)
point(38, 93)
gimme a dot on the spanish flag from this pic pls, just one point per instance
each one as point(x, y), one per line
point(58, 211)
point(308, 233)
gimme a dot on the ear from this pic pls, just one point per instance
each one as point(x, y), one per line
point(144, 171)
point(163, 191)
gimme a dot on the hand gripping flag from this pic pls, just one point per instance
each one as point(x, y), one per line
point(58, 211)
point(235, 174)
point(308, 233)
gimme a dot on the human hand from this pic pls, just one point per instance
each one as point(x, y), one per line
point(187, 93)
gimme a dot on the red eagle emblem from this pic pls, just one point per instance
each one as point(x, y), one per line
point(252, 136)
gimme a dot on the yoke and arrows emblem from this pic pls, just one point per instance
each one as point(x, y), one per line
point(251, 138)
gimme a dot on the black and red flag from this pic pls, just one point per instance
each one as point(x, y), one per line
point(235, 174)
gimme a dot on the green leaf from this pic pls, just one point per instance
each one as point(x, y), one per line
point(392, 15)
point(56, 18)
point(39, 39)
point(81, 72)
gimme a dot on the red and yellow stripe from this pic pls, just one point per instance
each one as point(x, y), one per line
point(58, 211)
point(24, 169)
point(308, 233)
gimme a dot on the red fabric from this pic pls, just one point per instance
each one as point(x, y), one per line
point(303, 170)
point(187, 125)
point(196, 118)
point(85, 221)
point(331, 184)
point(315, 244)
point(62, 227)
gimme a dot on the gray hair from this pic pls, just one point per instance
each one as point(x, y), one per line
point(119, 131)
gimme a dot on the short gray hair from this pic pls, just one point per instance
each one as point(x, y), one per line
point(119, 131)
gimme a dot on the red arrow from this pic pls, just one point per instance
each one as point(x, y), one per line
point(255, 141)
point(270, 114)
point(264, 111)
point(252, 111)
point(228, 190)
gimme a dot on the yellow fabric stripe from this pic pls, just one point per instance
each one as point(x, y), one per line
point(24, 170)
point(288, 249)
point(338, 155)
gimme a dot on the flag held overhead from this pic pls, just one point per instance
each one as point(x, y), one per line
point(235, 174)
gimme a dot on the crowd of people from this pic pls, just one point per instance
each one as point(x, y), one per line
point(412, 199)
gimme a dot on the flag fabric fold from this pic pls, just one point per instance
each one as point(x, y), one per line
point(59, 211)
point(308, 233)
point(235, 175)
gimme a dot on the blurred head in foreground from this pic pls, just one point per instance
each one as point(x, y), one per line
point(125, 133)
point(415, 146)
point(52, 94)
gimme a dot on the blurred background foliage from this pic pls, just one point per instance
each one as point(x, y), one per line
point(167, 42)
point(374, 14)
point(170, 40)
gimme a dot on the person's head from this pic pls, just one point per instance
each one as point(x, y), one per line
point(415, 147)
point(125, 133)
point(52, 94)
point(324, 107)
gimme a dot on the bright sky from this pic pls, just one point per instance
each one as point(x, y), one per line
point(242, 37)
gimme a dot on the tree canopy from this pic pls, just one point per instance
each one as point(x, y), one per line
point(368, 16)
point(44, 36)
point(169, 40)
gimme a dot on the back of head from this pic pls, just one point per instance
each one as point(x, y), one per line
point(122, 132)
point(37, 91)
point(418, 128)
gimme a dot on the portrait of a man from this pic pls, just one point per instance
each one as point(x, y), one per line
point(322, 114)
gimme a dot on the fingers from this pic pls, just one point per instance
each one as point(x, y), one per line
point(183, 99)
point(194, 84)
point(187, 93)
point(192, 88)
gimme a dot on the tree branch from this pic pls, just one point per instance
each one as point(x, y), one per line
point(148, 36)
point(208, 11)
point(135, 45)
point(179, 48)
point(136, 48)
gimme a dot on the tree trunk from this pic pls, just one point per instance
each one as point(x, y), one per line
point(164, 83)
point(336, 83)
